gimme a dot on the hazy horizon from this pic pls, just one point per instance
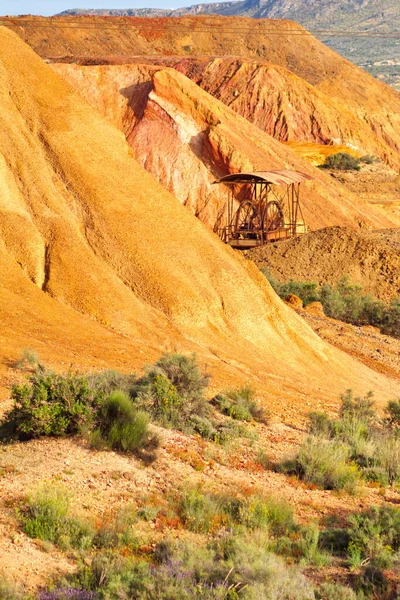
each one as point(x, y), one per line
point(52, 7)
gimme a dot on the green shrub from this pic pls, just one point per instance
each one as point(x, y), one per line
point(185, 375)
point(309, 547)
point(305, 290)
point(184, 571)
point(376, 475)
point(46, 517)
point(117, 532)
point(252, 513)
point(263, 459)
point(388, 456)
point(345, 302)
point(198, 511)
point(159, 397)
point(172, 391)
point(389, 320)
point(52, 405)
point(354, 428)
point(9, 591)
point(241, 404)
point(374, 583)
point(202, 512)
point(358, 408)
point(228, 431)
point(374, 449)
point(341, 161)
point(320, 424)
point(121, 427)
point(393, 412)
point(203, 427)
point(108, 381)
point(28, 358)
point(304, 546)
point(280, 517)
point(335, 591)
point(369, 159)
point(335, 540)
point(325, 463)
point(375, 535)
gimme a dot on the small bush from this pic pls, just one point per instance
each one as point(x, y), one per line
point(28, 358)
point(228, 431)
point(52, 405)
point(320, 424)
point(388, 456)
point(263, 459)
point(341, 161)
point(389, 319)
point(9, 591)
point(241, 404)
point(46, 517)
point(354, 428)
point(304, 546)
point(376, 475)
point(159, 397)
point(121, 427)
point(374, 583)
point(335, 591)
point(198, 511)
point(375, 535)
point(117, 532)
point(373, 448)
point(172, 391)
point(280, 517)
point(358, 408)
point(185, 375)
point(325, 463)
point(393, 412)
point(203, 426)
point(183, 571)
point(202, 512)
point(368, 159)
point(335, 540)
point(109, 381)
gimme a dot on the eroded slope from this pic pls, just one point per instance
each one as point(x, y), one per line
point(287, 106)
point(95, 252)
point(283, 43)
point(187, 139)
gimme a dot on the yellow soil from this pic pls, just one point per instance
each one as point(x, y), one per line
point(101, 266)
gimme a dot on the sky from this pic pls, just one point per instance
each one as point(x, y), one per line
point(51, 7)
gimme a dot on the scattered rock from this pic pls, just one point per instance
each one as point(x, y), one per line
point(315, 308)
point(294, 301)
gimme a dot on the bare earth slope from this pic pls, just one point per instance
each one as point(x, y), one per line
point(282, 43)
point(187, 139)
point(285, 105)
point(370, 259)
point(378, 55)
point(90, 239)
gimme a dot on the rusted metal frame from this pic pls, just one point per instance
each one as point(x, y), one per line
point(290, 206)
point(257, 194)
point(295, 207)
point(300, 210)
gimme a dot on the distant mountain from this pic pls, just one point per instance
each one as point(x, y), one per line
point(379, 56)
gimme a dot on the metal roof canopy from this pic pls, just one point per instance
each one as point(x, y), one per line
point(259, 219)
point(283, 177)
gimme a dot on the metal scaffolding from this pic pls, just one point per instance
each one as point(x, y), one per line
point(263, 206)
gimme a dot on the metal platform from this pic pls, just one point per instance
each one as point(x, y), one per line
point(263, 207)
